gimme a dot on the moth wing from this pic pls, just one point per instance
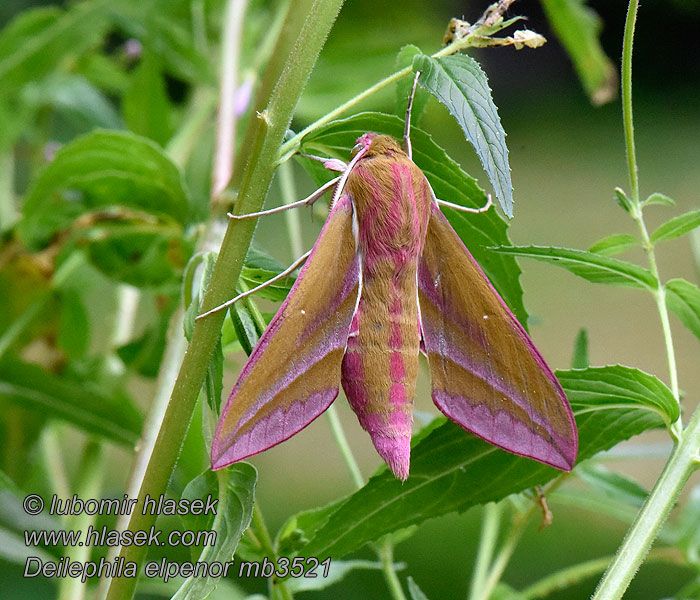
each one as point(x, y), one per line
point(293, 374)
point(487, 374)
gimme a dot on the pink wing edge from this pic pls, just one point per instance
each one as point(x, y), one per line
point(563, 459)
point(301, 414)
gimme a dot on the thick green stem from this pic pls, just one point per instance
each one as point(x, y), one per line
point(387, 556)
point(487, 543)
point(269, 129)
point(651, 517)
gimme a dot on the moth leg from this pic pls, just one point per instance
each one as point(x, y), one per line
point(466, 209)
point(407, 122)
point(308, 201)
point(290, 269)
point(332, 164)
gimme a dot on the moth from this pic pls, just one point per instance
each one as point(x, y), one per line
point(387, 279)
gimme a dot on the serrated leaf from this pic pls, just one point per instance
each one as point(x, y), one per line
point(658, 198)
point(458, 82)
point(677, 226)
point(103, 171)
point(580, 359)
point(590, 266)
point(614, 244)
point(82, 403)
point(235, 488)
point(404, 86)
point(614, 386)
point(578, 28)
point(683, 298)
point(479, 232)
point(447, 461)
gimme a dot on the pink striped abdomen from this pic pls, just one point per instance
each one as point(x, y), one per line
point(391, 201)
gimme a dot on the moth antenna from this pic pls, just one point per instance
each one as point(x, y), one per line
point(308, 201)
point(466, 209)
point(407, 121)
point(293, 267)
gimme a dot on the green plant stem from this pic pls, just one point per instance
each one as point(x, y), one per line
point(53, 457)
point(560, 580)
point(652, 515)
point(267, 546)
point(386, 555)
point(487, 543)
point(637, 213)
point(288, 189)
point(291, 145)
point(342, 443)
point(627, 99)
point(226, 117)
point(266, 137)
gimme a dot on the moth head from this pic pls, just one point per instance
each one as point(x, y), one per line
point(374, 144)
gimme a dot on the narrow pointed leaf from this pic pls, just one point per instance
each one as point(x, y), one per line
point(415, 592)
point(622, 199)
point(614, 244)
point(683, 298)
point(479, 232)
point(81, 403)
point(446, 461)
point(580, 360)
point(615, 486)
point(578, 29)
point(589, 265)
point(658, 198)
point(677, 226)
point(458, 82)
point(337, 571)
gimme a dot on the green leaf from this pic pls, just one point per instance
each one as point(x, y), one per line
point(590, 266)
point(103, 171)
point(616, 386)
point(615, 486)
point(480, 232)
point(458, 82)
point(580, 359)
point(82, 403)
point(622, 199)
point(614, 244)
point(658, 198)
point(74, 326)
point(76, 99)
point(246, 324)
point(677, 226)
point(260, 267)
point(235, 487)
point(446, 462)
point(414, 591)
point(37, 42)
point(145, 104)
point(683, 298)
point(404, 86)
point(578, 29)
point(135, 252)
point(337, 571)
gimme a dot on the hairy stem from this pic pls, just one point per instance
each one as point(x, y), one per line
point(268, 132)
